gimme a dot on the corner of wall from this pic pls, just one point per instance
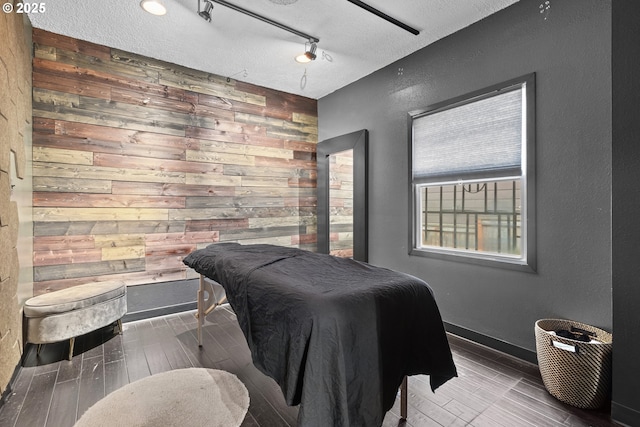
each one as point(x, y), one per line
point(16, 282)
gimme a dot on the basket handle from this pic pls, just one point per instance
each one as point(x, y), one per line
point(565, 347)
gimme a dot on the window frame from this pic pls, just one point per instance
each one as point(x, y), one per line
point(525, 262)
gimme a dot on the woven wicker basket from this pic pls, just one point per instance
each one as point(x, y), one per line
point(575, 372)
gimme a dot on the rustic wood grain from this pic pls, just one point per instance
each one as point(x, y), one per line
point(253, 181)
point(192, 165)
point(62, 170)
point(66, 256)
point(127, 252)
point(56, 243)
point(51, 39)
point(70, 85)
point(168, 189)
point(202, 84)
point(82, 200)
point(221, 202)
point(212, 179)
point(69, 271)
point(137, 162)
point(230, 147)
point(71, 185)
point(62, 155)
point(216, 224)
point(267, 171)
point(94, 139)
point(145, 77)
point(173, 239)
point(119, 240)
point(56, 106)
point(98, 214)
point(96, 228)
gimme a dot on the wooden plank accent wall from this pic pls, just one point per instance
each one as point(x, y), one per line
point(137, 162)
point(15, 116)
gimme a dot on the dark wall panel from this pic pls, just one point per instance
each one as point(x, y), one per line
point(625, 207)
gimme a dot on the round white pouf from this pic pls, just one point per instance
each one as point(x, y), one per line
point(182, 397)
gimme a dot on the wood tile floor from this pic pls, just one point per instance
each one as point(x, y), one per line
point(492, 389)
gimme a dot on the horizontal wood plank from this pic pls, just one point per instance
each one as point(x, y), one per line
point(69, 271)
point(61, 155)
point(172, 239)
point(216, 224)
point(95, 228)
point(275, 191)
point(212, 179)
point(42, 81)
point(164, 263)
point(41, 37)
point(71, 185)
point(221, 202)
point(229, 147)
point(102, 201)
point(253, 181)
point(61, 170)
point(168, 189)
point(66, 256)
point(202, 84)
point(107, 147)
point(170, 251)
point(277, 125)
point(134, 278)
point(220, 158)
point(147, 163)
point(243, 170)
point(232, 212)
point(56, 243)
point(110, 119)
point(145, 76)
point(125, 253)
point(98, 214)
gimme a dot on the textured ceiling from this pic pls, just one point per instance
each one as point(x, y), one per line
point(353, 42)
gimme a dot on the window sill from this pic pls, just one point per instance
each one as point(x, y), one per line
point(488, 260)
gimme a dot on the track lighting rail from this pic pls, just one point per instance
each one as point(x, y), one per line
point(385, 16)
point(265, 19)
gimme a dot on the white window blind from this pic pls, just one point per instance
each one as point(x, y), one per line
point(473, 140)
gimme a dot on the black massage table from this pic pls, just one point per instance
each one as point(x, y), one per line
point(339, 336)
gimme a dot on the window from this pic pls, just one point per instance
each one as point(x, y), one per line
point(472, 183)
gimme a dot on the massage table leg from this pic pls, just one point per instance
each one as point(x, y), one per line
point(206, 306)
point(200, 312)
point(403, 398)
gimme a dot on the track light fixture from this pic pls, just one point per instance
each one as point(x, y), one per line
point(206, 13)
point(309, 54)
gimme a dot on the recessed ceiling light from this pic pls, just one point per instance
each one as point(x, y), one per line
point(154, 7)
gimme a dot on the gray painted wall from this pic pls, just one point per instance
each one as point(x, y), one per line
point(569, 49)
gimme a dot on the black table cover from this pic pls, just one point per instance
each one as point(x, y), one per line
point(337, 335)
